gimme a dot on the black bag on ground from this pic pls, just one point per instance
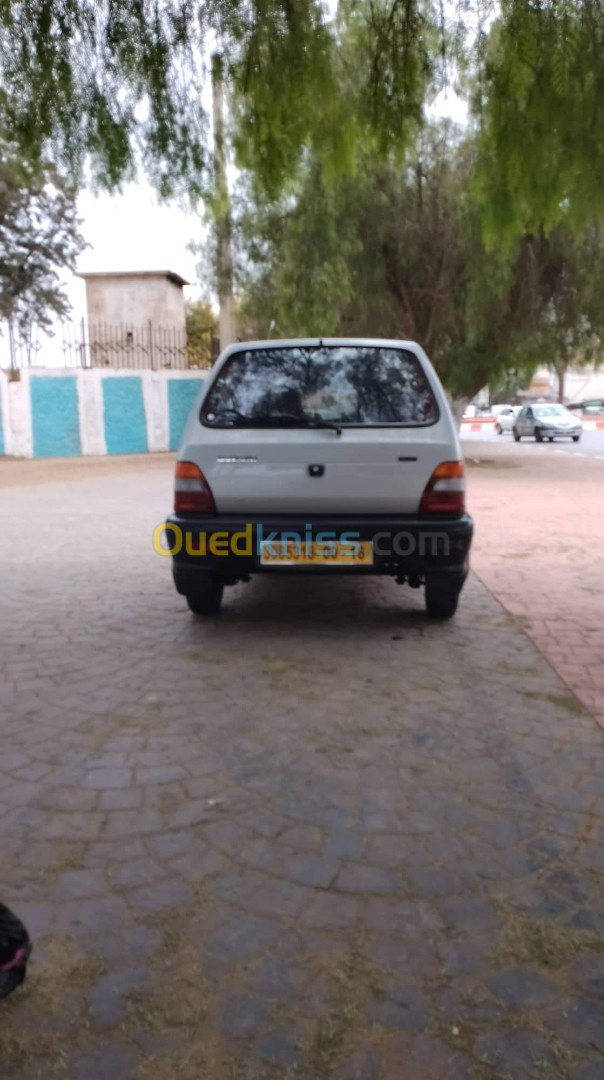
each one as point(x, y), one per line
point(15, 948)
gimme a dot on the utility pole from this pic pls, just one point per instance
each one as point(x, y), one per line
point(222, 212)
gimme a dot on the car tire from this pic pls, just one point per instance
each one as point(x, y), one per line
point(206, 597)
point(499, 429)
point(551, 438)
point(576, 438)
point(538, 435)
point(516, 435)
point(441, 600)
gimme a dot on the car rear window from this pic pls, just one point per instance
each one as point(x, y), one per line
point(298, 385)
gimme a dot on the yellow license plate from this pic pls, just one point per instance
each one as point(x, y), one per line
point(299, 553)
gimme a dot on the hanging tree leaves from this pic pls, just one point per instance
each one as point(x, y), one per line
point(121, 81)
point(542, 110)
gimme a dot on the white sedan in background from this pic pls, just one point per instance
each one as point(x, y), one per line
point(506, 415)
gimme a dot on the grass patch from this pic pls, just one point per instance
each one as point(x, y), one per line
point(30, 1038)
point(567, 701)
point(351, 984)
point(41, 1055)
point(182, 1004)
point(65, 970)
point(548, 944)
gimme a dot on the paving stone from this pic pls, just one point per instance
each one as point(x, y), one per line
point(587, 972)
point(145, 871)
point(594, 1071)
point(344, 845)
point(580, 1022)
point(360, 879)
point(80, 885)
point(107, 1060)
point(398, 1009)
point(254, 797)
point(120, 799)
point(422, 1056)
point(434, 882)
point(280, 1048)
point(159, 895)
point(106, 998)
point(108, 778)
point(89, 917)
point(242, 1016)
point(277, 978)
point(516, 1055)
point(523, 989)
point(331, 911)
point(362, 1064)
point(469, 914)
point(281, 898)
point(403, 918)
point(313, 870)
point(464, 957)
point(241, 937)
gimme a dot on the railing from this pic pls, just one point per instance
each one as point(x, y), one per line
point(105, 345)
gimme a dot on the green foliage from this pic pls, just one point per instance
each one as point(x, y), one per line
point(542, 116)
point(119, 82)
point(38, 237)
point(397, 251)
point(201, 326)
point(392, 251)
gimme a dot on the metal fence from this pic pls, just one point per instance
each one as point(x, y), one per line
point(105, 345)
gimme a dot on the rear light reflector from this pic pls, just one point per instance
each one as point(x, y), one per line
point(445, 492)
point(192, 493)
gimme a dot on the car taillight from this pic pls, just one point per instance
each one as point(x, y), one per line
point(445, 492)
point(192, 493)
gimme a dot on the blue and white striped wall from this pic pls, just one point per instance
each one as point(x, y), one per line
point(64, 413)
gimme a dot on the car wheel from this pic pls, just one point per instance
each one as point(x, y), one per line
point(441, 600)
point(207, 596)
point(551, 438)
point(576, 438)
point(516, 435)
point(499, 429)
point(538, 435)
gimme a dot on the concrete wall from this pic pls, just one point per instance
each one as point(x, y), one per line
point(61, 413)
point(135, 301)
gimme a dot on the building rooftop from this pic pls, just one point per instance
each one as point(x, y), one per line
point(176, 279)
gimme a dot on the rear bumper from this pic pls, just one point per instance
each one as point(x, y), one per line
point(409, 548)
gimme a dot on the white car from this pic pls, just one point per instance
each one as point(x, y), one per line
point(320, 456)
point(505, 418)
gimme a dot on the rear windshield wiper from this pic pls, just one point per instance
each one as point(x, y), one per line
point(318, 421)
point(278, 420)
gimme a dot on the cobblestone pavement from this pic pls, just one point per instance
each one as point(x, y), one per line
point(317, 837)
point(539, 547)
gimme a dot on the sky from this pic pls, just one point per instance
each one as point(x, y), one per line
point(134, 231)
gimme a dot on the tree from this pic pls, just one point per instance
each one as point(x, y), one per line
point(540, 101)
point(393, 251)
point(38, 237)
point(562, 298)
point(121, 82)
point(201, 326)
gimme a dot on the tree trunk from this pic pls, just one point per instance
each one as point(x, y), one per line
point(222, 214)
point(458, 406)
point(561, 373)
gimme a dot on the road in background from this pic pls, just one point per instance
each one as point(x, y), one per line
point(590, 445)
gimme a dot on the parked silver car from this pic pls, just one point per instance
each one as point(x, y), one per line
point(547, 421)
point(320, 456)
